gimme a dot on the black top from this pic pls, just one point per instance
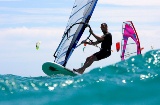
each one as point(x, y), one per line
point(107, 42)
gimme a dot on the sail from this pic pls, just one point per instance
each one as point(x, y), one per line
point(80, 15)
point(130, 44)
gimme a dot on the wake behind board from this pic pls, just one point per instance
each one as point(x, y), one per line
point(52, 68)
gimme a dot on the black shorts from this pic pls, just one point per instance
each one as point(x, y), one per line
point(102, 54)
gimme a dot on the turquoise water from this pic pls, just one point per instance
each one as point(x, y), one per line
point(135, 81)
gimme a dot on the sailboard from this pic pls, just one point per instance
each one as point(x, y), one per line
point(130, 44)
point(78, 21)
point(52, 68)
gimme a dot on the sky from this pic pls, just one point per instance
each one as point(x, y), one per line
point(25, 22)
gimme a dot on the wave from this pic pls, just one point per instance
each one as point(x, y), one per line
point(133, 81)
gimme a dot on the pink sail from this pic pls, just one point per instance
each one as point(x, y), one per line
point(130, 42)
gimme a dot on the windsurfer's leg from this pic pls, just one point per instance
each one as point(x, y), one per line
point(87, 63)
point(78, 70)
point(87, 60)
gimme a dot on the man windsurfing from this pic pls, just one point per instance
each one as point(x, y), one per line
point(105, 51)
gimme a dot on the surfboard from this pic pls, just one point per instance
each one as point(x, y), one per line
point(52, 68)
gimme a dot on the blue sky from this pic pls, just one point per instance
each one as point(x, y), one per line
point(25, 22)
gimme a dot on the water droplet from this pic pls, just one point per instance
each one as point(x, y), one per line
point(51, 88)
point(124, 81)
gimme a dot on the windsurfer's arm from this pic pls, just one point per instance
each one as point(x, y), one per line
point(95, 43)
point(92, 43)
point(96, 36)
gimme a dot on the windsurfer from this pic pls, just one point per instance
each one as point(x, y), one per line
point(105, 51)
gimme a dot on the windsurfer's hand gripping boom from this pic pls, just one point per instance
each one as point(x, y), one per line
point(85, 42)
point(96, 36)
point(90, 43)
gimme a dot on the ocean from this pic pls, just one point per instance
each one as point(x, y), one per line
point(135, 81)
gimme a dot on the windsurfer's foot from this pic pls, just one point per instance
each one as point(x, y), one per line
point(76, 70)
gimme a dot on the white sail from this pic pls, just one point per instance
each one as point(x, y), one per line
point(81, 13)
